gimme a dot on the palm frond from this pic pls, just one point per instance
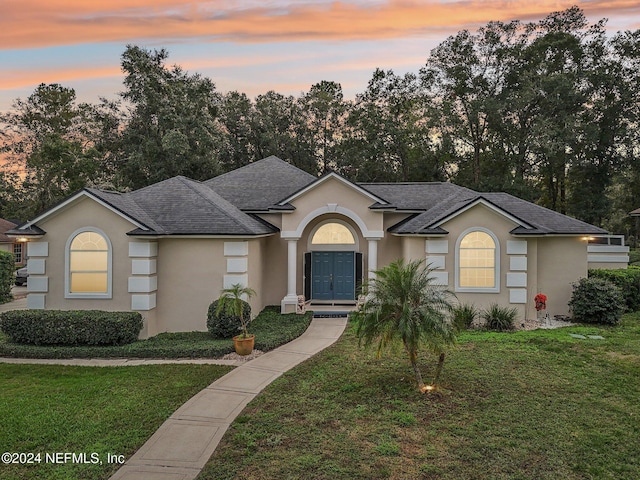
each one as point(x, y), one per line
point(404, 304)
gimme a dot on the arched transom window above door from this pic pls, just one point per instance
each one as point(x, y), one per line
point(333, 235)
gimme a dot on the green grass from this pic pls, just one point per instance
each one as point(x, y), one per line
point(49, 409)
point(520, 405)
point(59, 409)
point(270, 327)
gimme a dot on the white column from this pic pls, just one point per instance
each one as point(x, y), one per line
point(372, 258)
point(290, 301)
point(292, 267)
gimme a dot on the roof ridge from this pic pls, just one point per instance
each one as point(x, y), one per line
point(251, 164)
point(225, 205)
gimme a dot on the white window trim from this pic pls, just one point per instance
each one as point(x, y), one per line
point(20, 259)
point(496, 288)
point(67, 266)
point(338, 247)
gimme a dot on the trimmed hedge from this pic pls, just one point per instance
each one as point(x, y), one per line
point(627, 280)
point(596, 300)
point(7, 275)
point(272, 329)
point(73, 327)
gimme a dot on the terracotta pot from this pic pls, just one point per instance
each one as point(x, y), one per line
point(244, 346)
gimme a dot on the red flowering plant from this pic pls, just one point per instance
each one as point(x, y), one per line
point(541, 301)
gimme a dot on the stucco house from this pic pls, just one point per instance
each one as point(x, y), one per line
point(17, 246)
point(168, 249)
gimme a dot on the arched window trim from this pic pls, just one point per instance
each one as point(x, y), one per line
point(336, 246)
point(496, 288)
point(67, 266)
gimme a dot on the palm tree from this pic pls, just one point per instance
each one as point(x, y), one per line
point(404, 303)
point(231, 302)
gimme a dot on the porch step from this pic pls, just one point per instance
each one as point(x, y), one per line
point(331, 303)
point(334, 314)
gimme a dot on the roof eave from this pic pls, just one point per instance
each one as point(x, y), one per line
point(30, 233)
point(155, 235)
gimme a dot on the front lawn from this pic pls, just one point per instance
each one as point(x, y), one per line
point(271, 328)
point(57, 410)
point(522, 405)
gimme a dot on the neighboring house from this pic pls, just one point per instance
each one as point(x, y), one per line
point(12, 245)
point(168, 249)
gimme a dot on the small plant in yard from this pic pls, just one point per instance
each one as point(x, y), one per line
point(403, 303)
point(222, 324)
point(499, 318)
point(463, 316)
point(231, 303)
point(595, 300)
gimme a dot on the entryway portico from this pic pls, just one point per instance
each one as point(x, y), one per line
point(336, 243)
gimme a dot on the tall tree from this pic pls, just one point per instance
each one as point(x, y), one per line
point(462, 77)
point(624, 190)
point(389, 135)
point(171, 124)
point(236, 112)
point(324, 112)
point(50, 149)
point(608, 121)
point(276, 124)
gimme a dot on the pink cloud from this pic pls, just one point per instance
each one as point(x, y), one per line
point(12, 79)
point(38, 23)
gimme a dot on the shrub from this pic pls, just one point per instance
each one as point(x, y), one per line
point(596, 300)
point(627, 280)
point(463, 316)
point(272, 329)
point(224, 325)
point(73, 327)
point(499, 318)
point(634, 256)
point(7, 275)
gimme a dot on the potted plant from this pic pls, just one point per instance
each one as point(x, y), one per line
point(231, 302)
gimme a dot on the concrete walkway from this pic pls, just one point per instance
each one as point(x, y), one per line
point(17, 304)
point(182, 445)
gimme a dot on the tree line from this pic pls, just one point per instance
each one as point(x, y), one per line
point(546, 110)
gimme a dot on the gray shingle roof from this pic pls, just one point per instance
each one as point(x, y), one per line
point(533, 219)
point(223, 205)
point(415, 196)
point(260, 185)
point(180, 206)
point(542, 220)
point(124, 203)
point(5, 226)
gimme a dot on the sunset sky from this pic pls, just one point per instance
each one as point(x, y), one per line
point(251, 46)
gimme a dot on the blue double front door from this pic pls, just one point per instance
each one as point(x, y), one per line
point(333, 275)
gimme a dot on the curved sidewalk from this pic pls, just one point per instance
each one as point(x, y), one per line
point(182, 445)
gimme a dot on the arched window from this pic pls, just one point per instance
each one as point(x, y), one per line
point(88, 260)
point(477, 261)
point(333, 235)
